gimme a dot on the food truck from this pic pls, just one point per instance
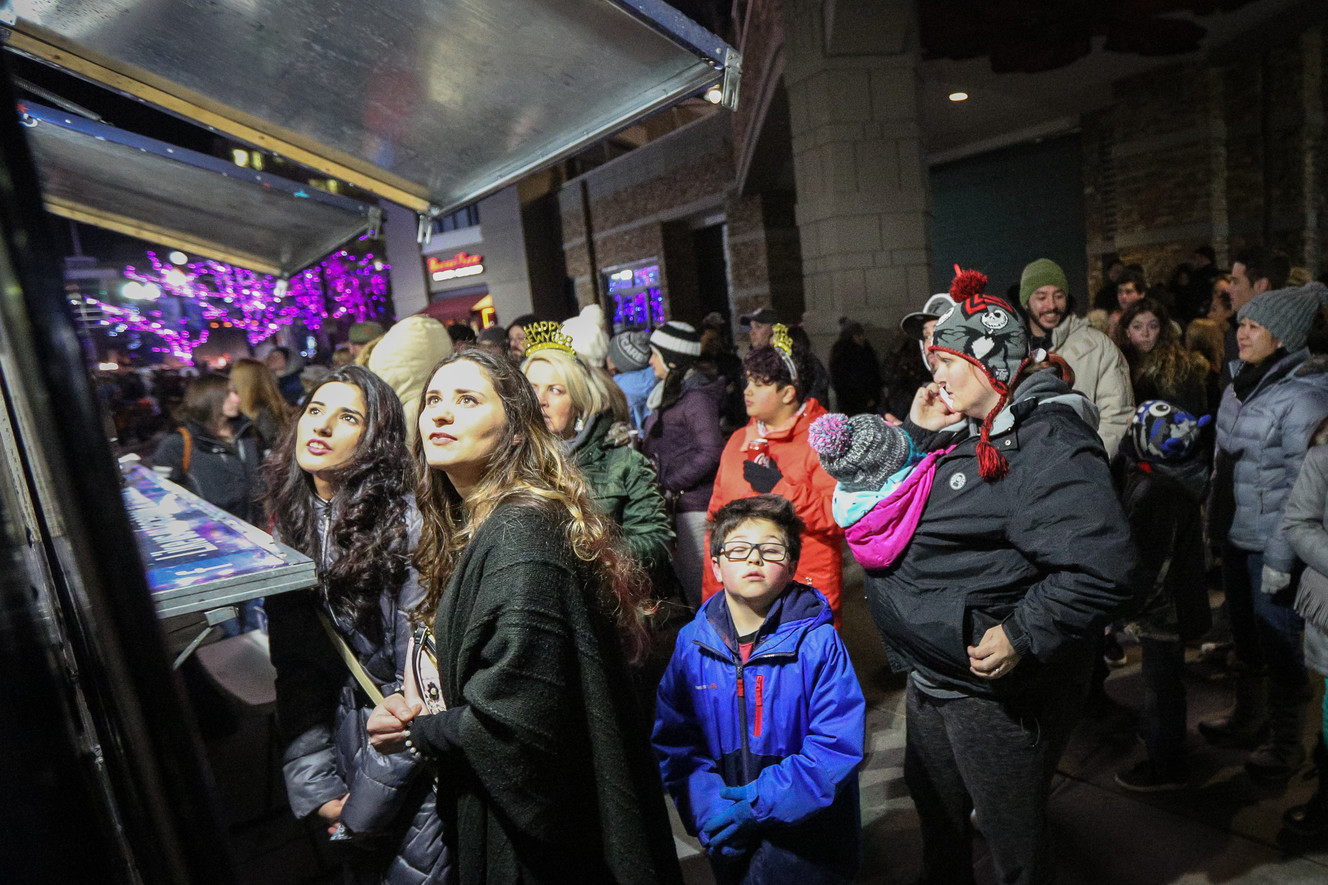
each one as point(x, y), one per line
point(429, 105)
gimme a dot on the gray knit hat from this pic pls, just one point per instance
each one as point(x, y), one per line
point(630, 351)
point(1287, 313)
point(861, 452)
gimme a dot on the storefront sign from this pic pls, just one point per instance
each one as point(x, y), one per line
point(463, 265)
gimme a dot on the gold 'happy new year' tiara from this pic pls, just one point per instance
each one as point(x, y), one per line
point(783, 343)
point(548, 336)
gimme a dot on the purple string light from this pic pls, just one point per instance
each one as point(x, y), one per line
point(344, 286)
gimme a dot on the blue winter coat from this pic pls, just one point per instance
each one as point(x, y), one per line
point(636, 386)
point(1267, 435)
point(791, 720)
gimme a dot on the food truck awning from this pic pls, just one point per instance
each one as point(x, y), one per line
point(431, 105)
point(111, 178)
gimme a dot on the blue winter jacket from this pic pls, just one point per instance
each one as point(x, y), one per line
point(791, 720)
point(636, 386)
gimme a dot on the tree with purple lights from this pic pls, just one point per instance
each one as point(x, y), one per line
point(344, 285)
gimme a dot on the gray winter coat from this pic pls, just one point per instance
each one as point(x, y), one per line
point(1306, 528)
point(392, 804)
point(1266, 436)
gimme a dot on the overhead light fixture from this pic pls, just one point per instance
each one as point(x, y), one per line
point(240, 156)
point(714, 94)
point(178, 257)
point(958, 96)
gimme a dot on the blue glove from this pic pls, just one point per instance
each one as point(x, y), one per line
point(728, 827)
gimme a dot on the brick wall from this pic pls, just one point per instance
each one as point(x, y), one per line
point(637, 204)
point(1227, 152)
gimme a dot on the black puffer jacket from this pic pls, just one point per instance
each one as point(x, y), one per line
point(221, 473)
point(392, 809)
point(1045, 551)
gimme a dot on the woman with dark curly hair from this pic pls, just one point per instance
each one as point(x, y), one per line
point(772, 455)
point(1161, 367)
point(339, 491)
point(536, 610)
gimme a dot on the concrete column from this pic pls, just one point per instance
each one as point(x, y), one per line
point(410, 294)
point(863, 202)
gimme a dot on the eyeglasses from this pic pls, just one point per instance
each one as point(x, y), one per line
point(739, 551)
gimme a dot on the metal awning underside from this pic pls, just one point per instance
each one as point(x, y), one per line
point(105, 176)
point(429, 103)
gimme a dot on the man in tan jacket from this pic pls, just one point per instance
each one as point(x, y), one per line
point(1100, 370)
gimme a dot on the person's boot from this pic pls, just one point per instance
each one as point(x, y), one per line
point(1284, 750)
point(1247, 723)
point(1310, 821)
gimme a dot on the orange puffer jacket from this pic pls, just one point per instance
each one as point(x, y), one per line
point(806, 484)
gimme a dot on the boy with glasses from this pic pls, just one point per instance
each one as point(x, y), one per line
point(760, 720)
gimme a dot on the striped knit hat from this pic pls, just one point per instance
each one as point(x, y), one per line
point(678, 344)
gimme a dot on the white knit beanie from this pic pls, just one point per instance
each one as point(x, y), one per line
point(589, 339)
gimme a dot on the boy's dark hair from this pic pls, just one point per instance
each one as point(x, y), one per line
point(775, 508)
point(768, 367)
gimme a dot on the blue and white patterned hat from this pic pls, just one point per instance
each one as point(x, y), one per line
point(1162, 432)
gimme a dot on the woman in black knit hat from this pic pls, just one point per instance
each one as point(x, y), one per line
point(682, 437)
point(1020, 556)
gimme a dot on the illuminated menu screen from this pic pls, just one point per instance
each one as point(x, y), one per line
point(184, 541)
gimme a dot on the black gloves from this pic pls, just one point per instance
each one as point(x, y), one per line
point(760, 477)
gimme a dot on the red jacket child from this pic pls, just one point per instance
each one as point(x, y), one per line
point(805, 483)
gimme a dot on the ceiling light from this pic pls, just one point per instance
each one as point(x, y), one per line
point(958, 96)
point(714, 94)
point(178, 257)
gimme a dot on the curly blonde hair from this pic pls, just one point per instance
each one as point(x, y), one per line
point(527, 466)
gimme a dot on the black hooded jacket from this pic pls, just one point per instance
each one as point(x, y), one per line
point(1044, 551)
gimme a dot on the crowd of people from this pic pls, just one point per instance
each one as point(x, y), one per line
point(564, 571)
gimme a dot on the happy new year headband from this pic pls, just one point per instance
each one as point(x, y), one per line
point(783, 343)
point(548, 336)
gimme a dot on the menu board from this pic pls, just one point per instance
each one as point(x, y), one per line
point(185, 541)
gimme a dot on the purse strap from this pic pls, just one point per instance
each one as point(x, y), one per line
point(352, 663)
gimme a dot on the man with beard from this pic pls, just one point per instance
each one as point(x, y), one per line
point(1100, 370)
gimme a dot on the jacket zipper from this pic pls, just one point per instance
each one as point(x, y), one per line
point(747, 775)
point(760, 687)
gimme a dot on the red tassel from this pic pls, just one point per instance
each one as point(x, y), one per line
point(967, 283)
point(991, 463)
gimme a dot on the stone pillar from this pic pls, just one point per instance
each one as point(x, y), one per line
point(863, 202)
point(410, 294)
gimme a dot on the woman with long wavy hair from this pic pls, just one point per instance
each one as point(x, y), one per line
point(340, 492)
point(1161, 366)
point(536, 610)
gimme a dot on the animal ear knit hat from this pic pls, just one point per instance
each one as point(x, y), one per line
point(1162, 432)
point(987, 332)
point(861, 452)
